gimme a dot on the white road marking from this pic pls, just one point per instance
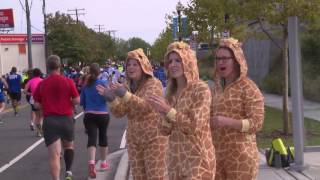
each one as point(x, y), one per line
point(29, 149)
point(123, 140)
point(78, 115)
point(3, 168)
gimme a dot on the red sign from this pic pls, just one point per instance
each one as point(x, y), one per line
point(6, 18)
point(20, 38)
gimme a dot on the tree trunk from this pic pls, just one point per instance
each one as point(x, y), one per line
point(285, 87)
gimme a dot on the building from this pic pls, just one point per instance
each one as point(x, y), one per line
point(13, 52)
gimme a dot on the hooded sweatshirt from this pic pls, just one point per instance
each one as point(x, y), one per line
point(191, 153)
point(143, 120)
point(236, 150)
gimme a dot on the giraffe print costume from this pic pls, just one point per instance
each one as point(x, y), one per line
point(191, 152)
point(146, 145)
point(236, 151)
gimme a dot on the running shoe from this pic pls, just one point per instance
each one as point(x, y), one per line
point(39, 134)
point(1, 122)
point(92, 171)
point(68, 175)
point(104, 166)
point(31, 127)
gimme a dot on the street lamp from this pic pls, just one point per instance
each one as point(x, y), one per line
point(179, 8)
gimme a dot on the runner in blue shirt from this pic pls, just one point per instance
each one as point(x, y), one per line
point(3, 84)
point(14, 81)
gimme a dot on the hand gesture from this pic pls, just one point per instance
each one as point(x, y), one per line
point(118, 89)
point(159, 104)
point(107, 92)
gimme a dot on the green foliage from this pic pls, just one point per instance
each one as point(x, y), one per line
point(76, 42)
point(159, 47)
point(310, 45)
point(272, 83)
point(272, 128)
point(206, 66)
point(123, 47)
point(135, 43)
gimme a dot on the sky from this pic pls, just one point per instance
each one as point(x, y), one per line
point(130, 18)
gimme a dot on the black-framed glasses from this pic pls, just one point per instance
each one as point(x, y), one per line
point(223, 59)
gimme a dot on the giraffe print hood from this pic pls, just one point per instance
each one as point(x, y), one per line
point(143, 60)
point(189, 60)
point(235, 46)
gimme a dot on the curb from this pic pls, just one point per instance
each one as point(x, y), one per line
point(123, 167)
point(113, 157)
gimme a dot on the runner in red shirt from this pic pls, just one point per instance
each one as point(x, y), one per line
point(56, 95)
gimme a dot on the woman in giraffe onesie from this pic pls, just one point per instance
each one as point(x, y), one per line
point(187, 113)
point(146, 146)
point(237, 113)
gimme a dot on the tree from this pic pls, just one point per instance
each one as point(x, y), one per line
point(76, 42)
point(159, 47)
point(266, 14)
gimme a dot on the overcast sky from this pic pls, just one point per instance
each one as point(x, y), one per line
point(131, 18)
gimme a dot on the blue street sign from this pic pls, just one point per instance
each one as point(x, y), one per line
point(175, 28)
point(184, 24)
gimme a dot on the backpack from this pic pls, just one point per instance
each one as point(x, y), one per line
point(279, 155)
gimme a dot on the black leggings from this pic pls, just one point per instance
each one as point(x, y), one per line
point(93, 122)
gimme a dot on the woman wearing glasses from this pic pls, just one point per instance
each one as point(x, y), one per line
point(237, 113)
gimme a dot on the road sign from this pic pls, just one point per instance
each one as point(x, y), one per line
point(6, 18)
point(175, 28)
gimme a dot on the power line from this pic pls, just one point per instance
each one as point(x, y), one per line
point(77, 14)
point(35, 28)
point(99, 27)
point(113, 32)
point(22, 5)
point(31, 5)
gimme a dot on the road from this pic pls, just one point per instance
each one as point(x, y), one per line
point(16, 138)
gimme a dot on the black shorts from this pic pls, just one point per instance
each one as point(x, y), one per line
point(33, 108)
point(58, 127)
point(15, 96)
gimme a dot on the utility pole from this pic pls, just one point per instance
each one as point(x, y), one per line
point(29, 35)
point(113, 32)
point(99, 27)
point(45, 33)
point(77, 14)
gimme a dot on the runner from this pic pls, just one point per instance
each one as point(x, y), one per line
point(28, 95)
point(56, 95)
point(14, 81)
point(3, 84)
point(96, 118)
point(29, 89)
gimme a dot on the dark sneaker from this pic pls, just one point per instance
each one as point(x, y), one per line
point(68, 175)
point(1, 122)
point(31, 127)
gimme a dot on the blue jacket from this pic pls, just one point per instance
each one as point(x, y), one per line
point(90, 100)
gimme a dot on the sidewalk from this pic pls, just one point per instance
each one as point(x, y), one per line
point(311, 109)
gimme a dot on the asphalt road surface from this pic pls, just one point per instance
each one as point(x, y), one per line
point(24, 156)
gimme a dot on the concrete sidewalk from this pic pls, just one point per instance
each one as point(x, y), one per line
point(265, 172)
point(311, 109)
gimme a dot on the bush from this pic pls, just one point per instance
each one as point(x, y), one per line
point(206, 66)
point(272, 83)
